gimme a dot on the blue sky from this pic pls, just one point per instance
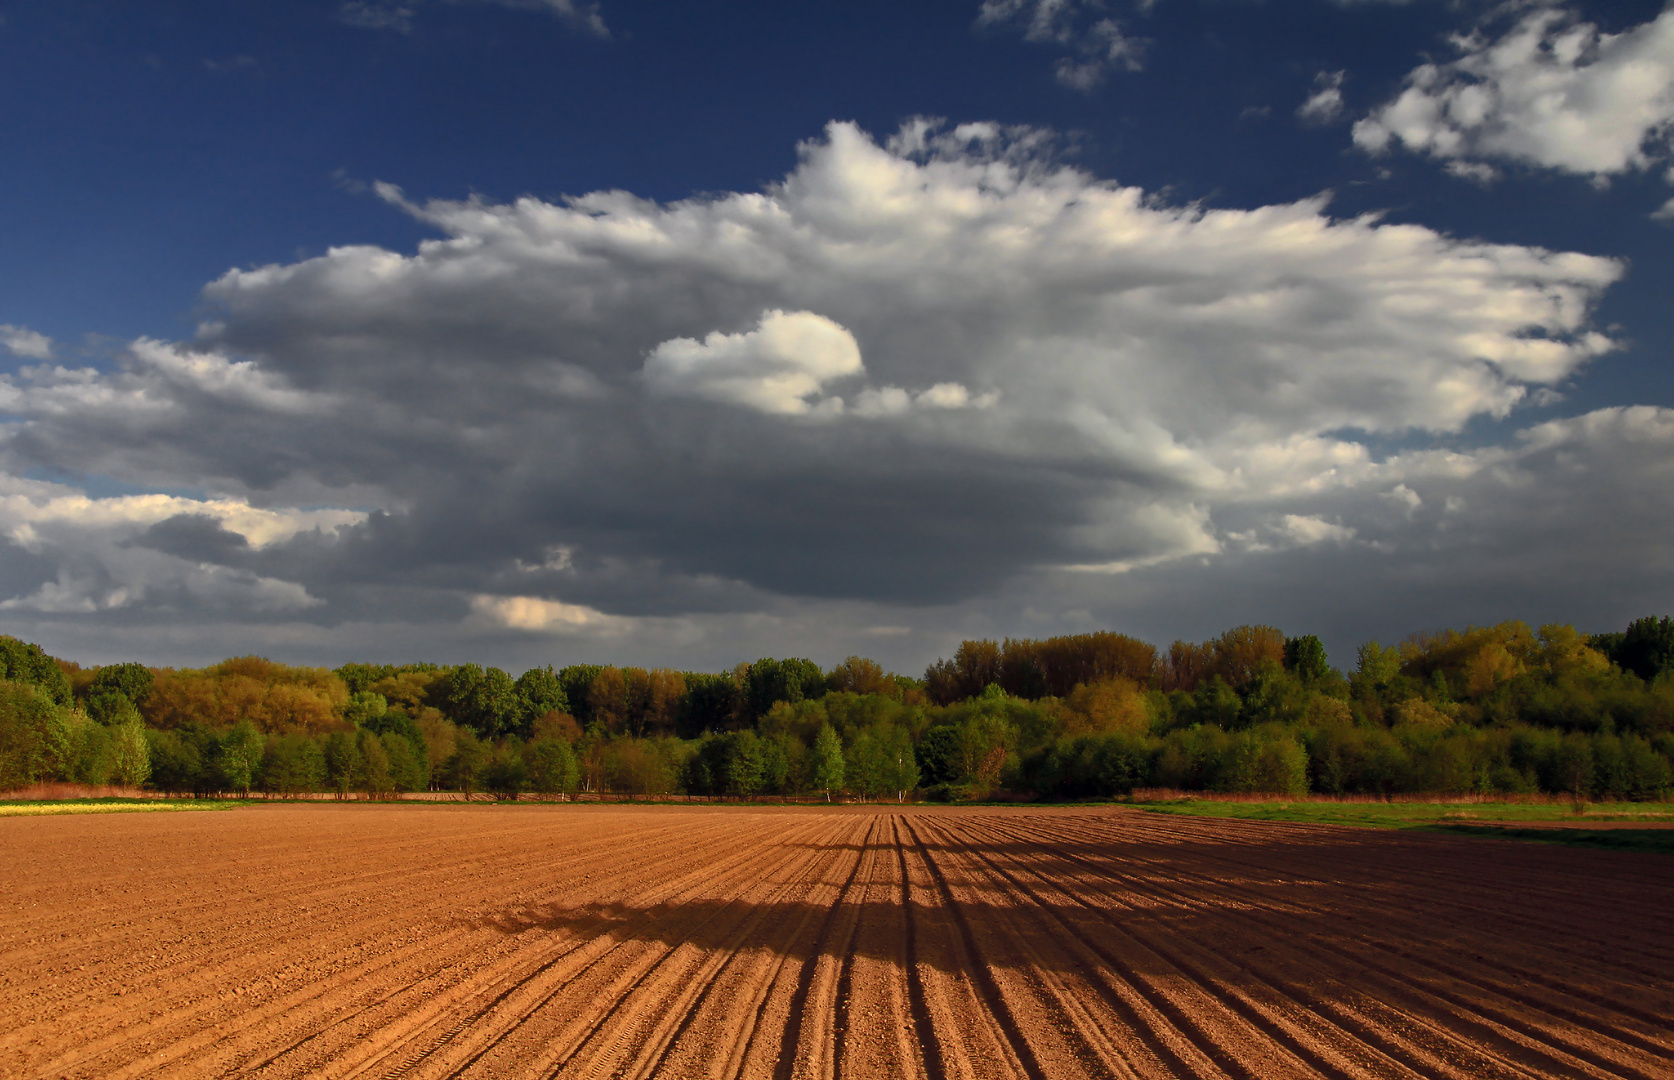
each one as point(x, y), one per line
point(910, 322)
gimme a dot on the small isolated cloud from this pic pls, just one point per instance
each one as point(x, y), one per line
point(21, 341)
point(894, 401)
point(1551, 91)
point(775, 368)
point(537, 615)
point(1664, 213)
point(1325, 104)
point(1096, 45)
point(398, 16)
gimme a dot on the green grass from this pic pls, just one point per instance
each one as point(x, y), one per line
point(53, 807)
point(1459, 818)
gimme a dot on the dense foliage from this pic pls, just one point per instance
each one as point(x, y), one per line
point(1499, 709)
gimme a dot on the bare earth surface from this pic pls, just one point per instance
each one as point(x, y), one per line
point(729, 941)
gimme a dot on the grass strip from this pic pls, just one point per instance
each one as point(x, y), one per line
point(55, 807)
point(1464, 819)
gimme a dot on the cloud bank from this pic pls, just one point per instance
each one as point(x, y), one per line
point(911, 383)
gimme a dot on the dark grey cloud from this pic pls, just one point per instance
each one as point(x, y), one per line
point(936, 386)
point(195, 537)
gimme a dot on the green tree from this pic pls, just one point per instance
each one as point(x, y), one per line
point(31, 735)
point(1305, 657)
point(239, 757)
point(826, 761)
point(465, 766)
point(408, 768)
point(87, 750)
point(539, 691)
point(364, 707)
point(769, 680)
point(116, 692)
point(745, 763)
point(552, 768)
point(900, 767)
point(1647, 647)
point(293, 764)
point(409, 763)
point(1375, 666)
point(865, 764)
point(130, 754)
point(344, 764)
point(177, 764)
point(376, 779)
point(22, 662)
point(711, 704)
point(506, 773)
point(482, 699)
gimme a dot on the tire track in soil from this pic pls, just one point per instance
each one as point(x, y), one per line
point(998, 1012)
point(936, 943)
point(215, 974)
point(1515, 1038)
point(1586, 1024)
point(1407, 860)
point(1421, 1010)
point(181, 1046)
point(832, 930)
point(1294, 1031)
point(718, 1041)
point(1053, 1004)
point(680, 1002)
point(837, 929)
point(1188, 1010)
point(737, 867)
point(1536, 947)
point(1387, 915)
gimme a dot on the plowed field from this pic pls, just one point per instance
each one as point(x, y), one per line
point(436, 941)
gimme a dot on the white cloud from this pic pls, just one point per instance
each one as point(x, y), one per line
point(21, 341)
point(1048, 370)
point(532, 613)
point(104, 562)
point(1325, 104)
point(894, 401)
point(1552, 91)
point(775, 368)
point(1304, 530)
point(1096, 45)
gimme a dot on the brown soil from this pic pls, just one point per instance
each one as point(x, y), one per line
point(600, 941)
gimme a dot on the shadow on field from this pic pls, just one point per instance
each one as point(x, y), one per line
point(1315, 910)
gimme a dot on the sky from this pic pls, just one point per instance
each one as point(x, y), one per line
point(544, 331)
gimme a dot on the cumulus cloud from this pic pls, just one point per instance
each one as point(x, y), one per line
point(775, 368)
point(1096, 45)
point(597, 416)
point(1325, 104)
point(21, 341)
point(149, 551)
point(1551, 91)
point(535, 614)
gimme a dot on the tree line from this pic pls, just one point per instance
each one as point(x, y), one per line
point(1498, 709)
